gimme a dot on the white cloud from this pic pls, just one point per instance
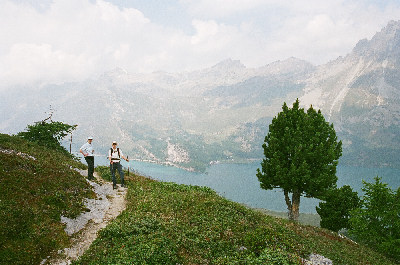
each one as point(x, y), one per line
point(328, 32)
point(223, 8)
point(75, 39)
point(33, 62)
point(68, 41)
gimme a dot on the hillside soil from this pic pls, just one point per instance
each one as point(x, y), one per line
point(83, 229)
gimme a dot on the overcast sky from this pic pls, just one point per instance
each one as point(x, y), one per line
point(71, 40)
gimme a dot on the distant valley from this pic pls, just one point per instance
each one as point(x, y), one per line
point(222, 113)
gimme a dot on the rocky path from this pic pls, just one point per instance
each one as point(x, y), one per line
point(107, 206)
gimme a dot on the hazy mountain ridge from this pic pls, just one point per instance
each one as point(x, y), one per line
point(360, 94)
point(223, 112)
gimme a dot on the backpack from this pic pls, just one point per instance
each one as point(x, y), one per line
point(112, 151)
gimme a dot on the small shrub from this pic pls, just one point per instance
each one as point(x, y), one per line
point(335, 211)
point(376, 223)
point(104, 172)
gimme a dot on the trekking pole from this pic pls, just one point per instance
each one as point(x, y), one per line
point(127, 157)
point(112, 172)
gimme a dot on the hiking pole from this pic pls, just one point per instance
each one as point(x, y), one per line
point(112, 172)
point(127, 157)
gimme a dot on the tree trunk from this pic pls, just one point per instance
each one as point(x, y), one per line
point(293, 205)
point(296, 205)
point(288, 204)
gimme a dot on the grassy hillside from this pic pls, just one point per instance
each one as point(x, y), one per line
point(37, 186)
point(167, 223)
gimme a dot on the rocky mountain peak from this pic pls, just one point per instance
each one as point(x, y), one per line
point(383, 43)
point(229, 64)
point(117, 71)
point(292, 65)
point(117, 74)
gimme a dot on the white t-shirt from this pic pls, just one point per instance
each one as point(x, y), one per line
point(88, 149)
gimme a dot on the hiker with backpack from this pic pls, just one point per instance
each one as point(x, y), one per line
point(114, 155)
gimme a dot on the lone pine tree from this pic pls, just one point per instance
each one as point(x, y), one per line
point(301, 154)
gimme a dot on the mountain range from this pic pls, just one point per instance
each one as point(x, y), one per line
point(222, 113)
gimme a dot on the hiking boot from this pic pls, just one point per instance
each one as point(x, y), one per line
point(122, 186)
point(114, 187)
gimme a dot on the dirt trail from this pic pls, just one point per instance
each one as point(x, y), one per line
point(107, 206)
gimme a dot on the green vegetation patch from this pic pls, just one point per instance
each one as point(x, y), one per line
point(37, 186)
point(167, 223)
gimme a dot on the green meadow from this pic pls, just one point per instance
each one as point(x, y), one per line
point(164, 223)
point(167, 223)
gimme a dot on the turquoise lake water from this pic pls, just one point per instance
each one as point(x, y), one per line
point(238, 182)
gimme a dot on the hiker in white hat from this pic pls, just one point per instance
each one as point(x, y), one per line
point(114, 155)
point(88, 152)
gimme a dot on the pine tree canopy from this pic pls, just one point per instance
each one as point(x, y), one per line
point(301, 153)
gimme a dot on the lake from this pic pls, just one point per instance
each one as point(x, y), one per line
point(238, 182)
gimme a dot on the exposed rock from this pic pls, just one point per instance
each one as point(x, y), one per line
point(176, 154)
point(13, 152)
point(316, 259)
point(108, 205)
